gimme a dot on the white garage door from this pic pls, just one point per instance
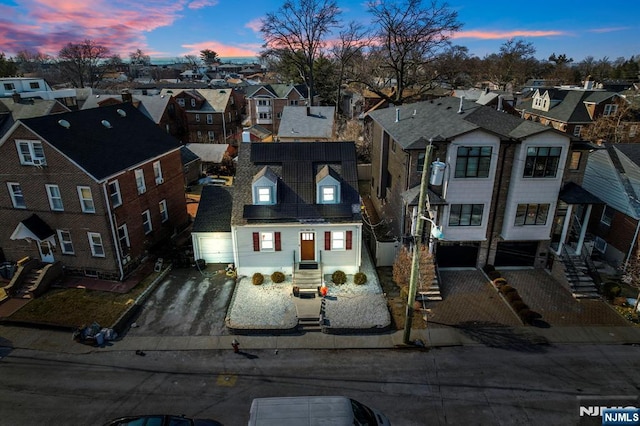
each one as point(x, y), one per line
point(213, 248)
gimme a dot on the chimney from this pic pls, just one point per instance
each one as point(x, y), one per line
point(461, 109)
point(397, 115)
point(126, 96)
point(588, 83)
point(16, 97)
point(500, 103)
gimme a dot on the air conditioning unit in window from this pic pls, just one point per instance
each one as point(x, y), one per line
point(39, 162)
point(159, 181)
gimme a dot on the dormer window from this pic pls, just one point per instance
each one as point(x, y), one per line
point(265, 185)
point(327, 186)
point(610, 109)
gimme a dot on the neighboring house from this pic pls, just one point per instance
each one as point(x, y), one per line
point(161, 109)
point(264, 104)
point(572, 110)
point(93, 189)
point(27, 88)
point(211, 230)
point(613, 174)
point(191, 166)
point(296, 203)
point(307, 124)
point(16, 108)
point(212, 114)
point(495, 183)
point(210, 154)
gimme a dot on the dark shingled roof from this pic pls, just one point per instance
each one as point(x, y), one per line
point(572, 193)
point(214, 210)
point(631, 150)
point(568, 105)
point(38, 226)
point(101, 151)
point(439, 119)
point(187, 156)
point(297, 165)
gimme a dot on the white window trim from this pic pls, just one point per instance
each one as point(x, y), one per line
point(600, 244)
point(140, 183)
point(338, 240)
point(34, 160)
point(126, 238)
point(209, 118)
point(12, 194)
point(610, 109)
point(51, 198)
point(260, 195)
point(164, 212)
point(266, 242)
point(93, 246)
point(63, 241)
point(576, 130)
point(157, 172)
point(83, 206)
point(211, 135)
point(116, 193)
point(604, 219)
point(146, 218)
point(334, 190)
point(197, 118)
point(193, 102)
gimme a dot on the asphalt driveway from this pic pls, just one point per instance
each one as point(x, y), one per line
point(186, 303)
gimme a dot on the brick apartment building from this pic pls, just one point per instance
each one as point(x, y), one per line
point(93, 189)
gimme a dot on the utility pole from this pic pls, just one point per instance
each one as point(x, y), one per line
point(413, 280)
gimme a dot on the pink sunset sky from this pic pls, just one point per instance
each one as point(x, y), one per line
point(174, 28)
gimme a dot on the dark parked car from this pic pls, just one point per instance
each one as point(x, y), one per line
point(161, 420)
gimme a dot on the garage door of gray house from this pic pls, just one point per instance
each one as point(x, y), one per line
point(516, 253)
point(457, 254)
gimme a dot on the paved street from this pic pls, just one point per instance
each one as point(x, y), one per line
point(527, 385)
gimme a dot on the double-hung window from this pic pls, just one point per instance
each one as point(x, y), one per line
point(473, 161)
point(420, 163)
point(209, 118)
point(337, 240)
point(31, 153)
point(17, 197)
point(123, 239)
point(140, 184)
point(95, 242)
point(466, 214)
point(532, 214)
point(147, 227)
point(164, 213)
point(607, 215)
point(66, 245)
point(266, 241)
point(114, 193)
point(610, 109)
point(55, 199)
point(212, 136)
point(157, 172)
point(542, 161)
point(86, 199)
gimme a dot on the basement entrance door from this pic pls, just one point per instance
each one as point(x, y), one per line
point(307, 246)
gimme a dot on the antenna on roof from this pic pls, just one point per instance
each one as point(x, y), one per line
point(121, 112)
point(64, 123)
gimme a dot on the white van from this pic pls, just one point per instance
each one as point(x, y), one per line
point(313, 411)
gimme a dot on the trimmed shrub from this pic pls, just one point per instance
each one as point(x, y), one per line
point(488, 268)
point(257, 278)
point(277, 277)
point(513, 296)
point(339, 277)
point(519, 305)
point(500, 282)
point(611, 290)
point(493, 275)
point(360, 278)
point(505, 289)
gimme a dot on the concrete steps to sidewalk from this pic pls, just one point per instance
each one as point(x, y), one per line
point(307, 278)
point(580, 283)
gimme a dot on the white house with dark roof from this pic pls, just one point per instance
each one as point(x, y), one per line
point(211, 230)
point(502, 190)
point(296, 207)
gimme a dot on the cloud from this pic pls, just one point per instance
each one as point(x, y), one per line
point(199, 4)
point(223, 50)
point(496, 35)
point(254, 25)
point(41, 25)
point(608, 30)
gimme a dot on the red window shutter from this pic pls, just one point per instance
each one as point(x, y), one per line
point(349, 238)
point(327, 240)
point(256, 241)
point(278, 245)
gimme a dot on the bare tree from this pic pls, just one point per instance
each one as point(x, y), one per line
point(299, 30)
point(79, 62)
point(631, 276)
point(513, 65)
point(8, 67)
point(32, 62)
point(402, 269)
point(614, 128)
point(351, 43)
point(408, 37)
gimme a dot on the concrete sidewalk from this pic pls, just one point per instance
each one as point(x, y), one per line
point(515, 338)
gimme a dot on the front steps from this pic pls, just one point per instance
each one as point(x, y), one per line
point(307, 278)
point(580, 282)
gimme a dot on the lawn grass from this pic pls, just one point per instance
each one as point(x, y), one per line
point(73, 307)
